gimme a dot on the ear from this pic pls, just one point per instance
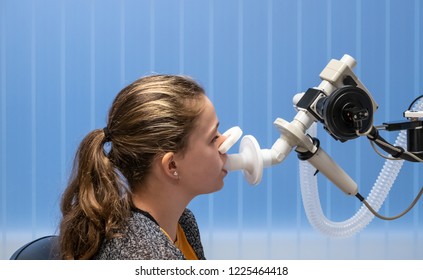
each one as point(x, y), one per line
point(169, 166)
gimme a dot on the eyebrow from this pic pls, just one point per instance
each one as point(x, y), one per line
point(214, 129)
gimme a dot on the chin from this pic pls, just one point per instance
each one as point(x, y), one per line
point(220, 186)
point(215, 188)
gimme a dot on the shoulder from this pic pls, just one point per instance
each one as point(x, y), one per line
point(189, 223)
point(142, 238)
point(187, 217)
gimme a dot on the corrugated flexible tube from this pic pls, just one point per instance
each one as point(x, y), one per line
point(376, 197)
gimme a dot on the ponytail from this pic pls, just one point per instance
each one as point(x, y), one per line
point(95, 203)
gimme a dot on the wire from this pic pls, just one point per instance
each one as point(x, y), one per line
point(414, 101)
point(399, 150)
point(393, 217)
point(382, 155)
point(389, 146)
point(413, 156)
point(364, 133)
point(385, 144)
point(372, 142)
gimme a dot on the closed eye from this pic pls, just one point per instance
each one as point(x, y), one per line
point(215, 138)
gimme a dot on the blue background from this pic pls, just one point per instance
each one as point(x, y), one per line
point(62, 62)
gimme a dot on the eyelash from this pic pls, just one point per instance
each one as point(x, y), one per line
point(215, 138)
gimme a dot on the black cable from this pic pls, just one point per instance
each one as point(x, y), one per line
point(395, 151)
point(362, 199)
point(414, 101)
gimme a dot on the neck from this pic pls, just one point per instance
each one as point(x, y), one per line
point(165, 205)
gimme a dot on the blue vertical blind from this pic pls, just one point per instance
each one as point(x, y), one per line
point(62, 62)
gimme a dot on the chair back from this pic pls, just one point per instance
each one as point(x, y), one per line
point(43, 248)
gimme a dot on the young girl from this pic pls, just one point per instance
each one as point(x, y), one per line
point(132, 180)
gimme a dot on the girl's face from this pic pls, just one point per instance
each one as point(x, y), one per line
point(200, 166)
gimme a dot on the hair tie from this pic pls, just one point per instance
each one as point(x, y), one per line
point(107, 137)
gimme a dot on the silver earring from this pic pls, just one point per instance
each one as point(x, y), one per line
point(175, 173)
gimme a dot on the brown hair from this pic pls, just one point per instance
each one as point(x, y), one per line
point(151, 116)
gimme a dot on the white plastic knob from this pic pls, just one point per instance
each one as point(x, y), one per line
point(233, 134)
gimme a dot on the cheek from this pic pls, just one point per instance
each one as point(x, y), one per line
point(208, 165)
point(215, 161)
point(205, 174)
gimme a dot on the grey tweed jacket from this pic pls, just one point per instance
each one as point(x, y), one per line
point(142, 239)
